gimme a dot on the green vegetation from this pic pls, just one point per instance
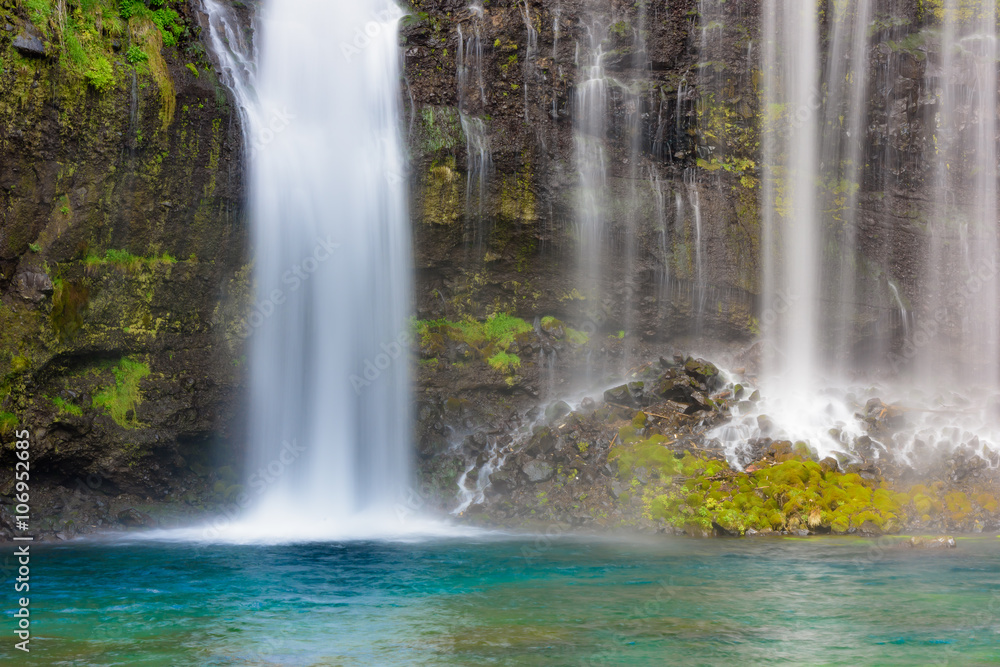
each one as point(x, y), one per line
point(8, 422)
point(136, 55)
point(123, 397)
point(34, 247)
point(620, 29)
point(125, 261)
point(84, 37)
point(559, 330)
point(490, 339)
point(504, 361)
point(69, 301)
point(192, 68)
point(693, 491)
point(441, 128)
point(65, 407)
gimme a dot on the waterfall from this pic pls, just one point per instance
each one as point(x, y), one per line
point(590, 127)
point(791, 169)
point(472, 95)
point(699, 286)
point(330, 442)
point(962, 283)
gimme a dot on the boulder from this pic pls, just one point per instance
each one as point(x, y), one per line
point(33, 286)
point(703, 371)
point(943, 542)
point(133, 518)
point(29, 45)
point(537, 471)
point(557, 410)
point(630, 395)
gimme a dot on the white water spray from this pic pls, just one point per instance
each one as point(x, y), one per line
point(330, 442)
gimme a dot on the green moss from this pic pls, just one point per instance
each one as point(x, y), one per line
point(790, 495)
point(651, 454)
point(65, 407)
point(124, 396)
point(125, 261)
point(8, 422)
point(69, 302)
point(620, 29)
point(504, 361)
point(576, 337)
point(490, 339)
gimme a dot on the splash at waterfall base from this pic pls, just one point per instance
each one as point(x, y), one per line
point(680, 446)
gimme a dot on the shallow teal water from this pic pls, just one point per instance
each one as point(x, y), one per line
point(491, 602)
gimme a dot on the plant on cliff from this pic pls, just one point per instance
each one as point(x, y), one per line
point(65, 407)
point(125, 261)
point(491, 339)
point(8, 422)
point(123, 396)
point(85, 38)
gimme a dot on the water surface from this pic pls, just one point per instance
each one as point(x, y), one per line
point(836, 601)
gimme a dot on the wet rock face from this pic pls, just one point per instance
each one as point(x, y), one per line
point(500, 233)
point(122, 245)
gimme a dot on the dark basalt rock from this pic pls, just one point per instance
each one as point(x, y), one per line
point(133, 518)
point(538, 471)
point(29, 45)
point(33, 286)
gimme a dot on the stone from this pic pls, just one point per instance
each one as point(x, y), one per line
point(618, 395)
point(537, 471)
point(703, 371)
point(33, 286)
point(943, 542)
point(29, 45)
point(557, 410)
point(542, 441)
point(553, 327)
point(133, 518)
point(829, 464)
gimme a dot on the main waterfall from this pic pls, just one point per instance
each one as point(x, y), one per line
point(330, 419)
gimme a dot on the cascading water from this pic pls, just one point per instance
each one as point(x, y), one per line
point(472, 98)
point(962, 280)
point(330, 409)
point(822, 294)
point(590, 125)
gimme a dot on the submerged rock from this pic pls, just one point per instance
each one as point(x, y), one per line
point(943, 542)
